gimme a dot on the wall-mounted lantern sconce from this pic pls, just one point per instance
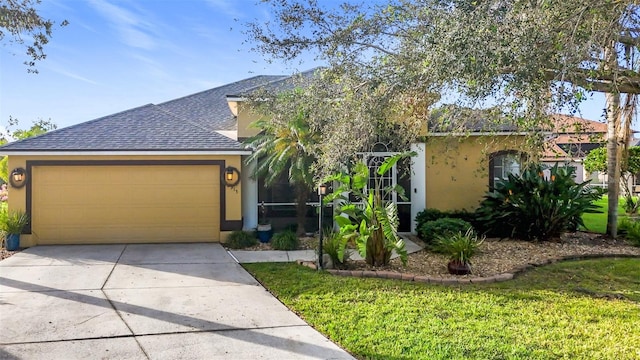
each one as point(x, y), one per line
point(18, 177)
point(231, 176)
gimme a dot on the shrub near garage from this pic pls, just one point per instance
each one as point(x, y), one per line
point(240, 240)
point(285, 240)
point(533, 207)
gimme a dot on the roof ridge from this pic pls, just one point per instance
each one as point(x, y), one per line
point(282, 78)
point(218, 87)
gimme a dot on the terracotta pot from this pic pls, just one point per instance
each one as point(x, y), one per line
point(456, 267)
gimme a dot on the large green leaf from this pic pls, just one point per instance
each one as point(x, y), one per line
point(389, 162)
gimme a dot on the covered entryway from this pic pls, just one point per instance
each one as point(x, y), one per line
point(125, 203)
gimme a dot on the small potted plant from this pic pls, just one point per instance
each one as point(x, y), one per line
point(460, 248)
point(12, 225)
point(264, 226)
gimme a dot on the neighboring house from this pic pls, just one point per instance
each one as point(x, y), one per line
point(174, 172)
point(572, 139)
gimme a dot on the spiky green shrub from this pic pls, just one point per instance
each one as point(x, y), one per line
point(241, 239)
point(459, 246)
point(534, 207)
point(285, 240)
point(335, 245)
point(431, 230)
point(13, 222)
point(630, 229)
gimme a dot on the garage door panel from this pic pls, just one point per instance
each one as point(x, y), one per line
point(137, 195)
point(121, 234)
point(94, 216)
point(110, 204)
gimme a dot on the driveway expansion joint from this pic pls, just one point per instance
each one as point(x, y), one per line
point(114, 307)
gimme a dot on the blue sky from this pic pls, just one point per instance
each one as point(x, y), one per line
point(117, 55)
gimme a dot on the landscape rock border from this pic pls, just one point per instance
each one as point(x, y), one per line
point(450, 280)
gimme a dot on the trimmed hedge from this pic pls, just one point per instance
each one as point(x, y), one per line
point(432, 230)
point(240, 240)
point(434, 214)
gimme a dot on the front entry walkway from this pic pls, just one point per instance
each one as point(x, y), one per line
point(255, 256)
point(156, 301)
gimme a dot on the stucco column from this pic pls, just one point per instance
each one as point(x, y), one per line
point(249, 196)
point(418, 182)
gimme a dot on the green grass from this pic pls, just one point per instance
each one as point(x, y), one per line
point(570, 310)
point(598, 222)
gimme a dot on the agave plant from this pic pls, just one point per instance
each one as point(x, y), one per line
point(14, 222)
point(459, 248)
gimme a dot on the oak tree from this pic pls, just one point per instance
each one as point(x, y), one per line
point(20, 23)
point(530, 58)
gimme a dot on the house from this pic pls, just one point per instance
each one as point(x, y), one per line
point(175, 172)
point(573, 138)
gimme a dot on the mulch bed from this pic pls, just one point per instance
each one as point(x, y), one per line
point(494, 256)
point(497, 256)
point(5, 254)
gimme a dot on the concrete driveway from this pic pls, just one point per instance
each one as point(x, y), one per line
point(169, 301)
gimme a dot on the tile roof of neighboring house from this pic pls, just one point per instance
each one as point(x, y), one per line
point(566, 124)
point(574, 138)
point(580, 138)
point(144, 128)
point(185, 124)
point(553, 152)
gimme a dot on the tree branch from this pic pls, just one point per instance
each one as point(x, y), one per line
point(601, 82)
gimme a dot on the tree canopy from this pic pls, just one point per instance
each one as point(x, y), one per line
point(529, 58)
point(38, 127)
point(20, 23)
point(596, 160)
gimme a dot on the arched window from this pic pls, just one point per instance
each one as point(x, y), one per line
point(503, 163)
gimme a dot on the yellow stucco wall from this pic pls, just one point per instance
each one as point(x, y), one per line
point(245, 118)
point(17, 197)
point(457, 169)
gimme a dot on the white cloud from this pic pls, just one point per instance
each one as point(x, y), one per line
point(71, 75)
point(226, 7)
point(133, 29)
point(154, 68)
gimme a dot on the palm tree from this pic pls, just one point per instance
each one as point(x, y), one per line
point(286, 146)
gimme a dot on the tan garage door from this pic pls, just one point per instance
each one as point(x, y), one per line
point(125, 204)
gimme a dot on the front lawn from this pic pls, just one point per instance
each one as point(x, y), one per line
point(571, 310)
point(598, 222)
